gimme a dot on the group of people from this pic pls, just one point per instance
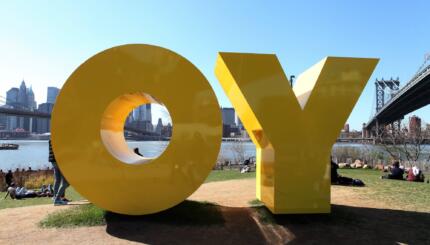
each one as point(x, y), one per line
point(397, 173)
point(57, 192)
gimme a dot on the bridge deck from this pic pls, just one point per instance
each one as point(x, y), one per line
point(414, 95)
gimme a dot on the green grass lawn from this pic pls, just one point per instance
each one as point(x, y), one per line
point(82, 215)
point(405, 195)
point(222, 175)
point(215, 175)
point(186, 213)
point(9, 203)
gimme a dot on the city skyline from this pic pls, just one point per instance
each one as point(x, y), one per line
point(344, 29)
point(158, 111)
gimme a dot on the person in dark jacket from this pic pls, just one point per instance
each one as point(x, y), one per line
point(396, 172)
point(60, 183)
point(9, 178)
point(337, 179)
point(137, 152)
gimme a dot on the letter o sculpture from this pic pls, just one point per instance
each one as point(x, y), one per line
point(88, 129)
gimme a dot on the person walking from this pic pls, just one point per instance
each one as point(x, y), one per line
point(60, 183)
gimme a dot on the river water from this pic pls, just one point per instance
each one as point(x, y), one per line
point(34, 154)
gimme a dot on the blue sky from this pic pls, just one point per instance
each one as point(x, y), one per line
point(44, 41)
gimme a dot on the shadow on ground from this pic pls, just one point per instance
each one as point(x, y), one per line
point(188, 223)
point(202, 223)
point(356, 225)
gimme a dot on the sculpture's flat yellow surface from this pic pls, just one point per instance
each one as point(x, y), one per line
point(293, 129)
point(88, 122)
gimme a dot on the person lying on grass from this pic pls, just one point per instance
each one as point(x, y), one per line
point(337, 179)
point(21, 192)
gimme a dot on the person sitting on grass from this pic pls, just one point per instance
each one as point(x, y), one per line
point(396, 172)
point(337, 179)
point(415, 174)
point(46, 191)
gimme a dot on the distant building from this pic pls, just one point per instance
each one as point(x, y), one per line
point(148, 116)
point(167, 130)
point(145, 126)
point(52, 95)
point(414, 126)
point(141, 118)
point(11, 102)
point(12, 97)
point(22, 95)
point(21, 98)
point(31, 102)
point(229, 131)
point(346, 128)
point(43, 125)
point(3, 120)
point(159, 127)
point(228, 116)
point(229, 123)
point(143, 113)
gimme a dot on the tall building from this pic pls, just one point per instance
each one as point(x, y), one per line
point(11, 101)
point(21, 98)
point(12, 97)
point(167, 130)
point(414, 126)
point(44, 124)
point(52, 94)
point(159, 127)
point(142, 118)
point(22, 95)
point(143, 113)
point(148, 115)
point(3, 119)
point(228, 116)
point(31, 103)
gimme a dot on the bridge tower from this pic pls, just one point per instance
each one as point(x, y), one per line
point(383, 88)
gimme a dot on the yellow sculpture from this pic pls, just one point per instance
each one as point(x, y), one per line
point(88, 124)
point(293, 129)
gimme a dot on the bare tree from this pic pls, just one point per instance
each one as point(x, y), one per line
point(402, 143)
point(238, 150)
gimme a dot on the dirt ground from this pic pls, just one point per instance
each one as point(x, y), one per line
point(354, 220)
